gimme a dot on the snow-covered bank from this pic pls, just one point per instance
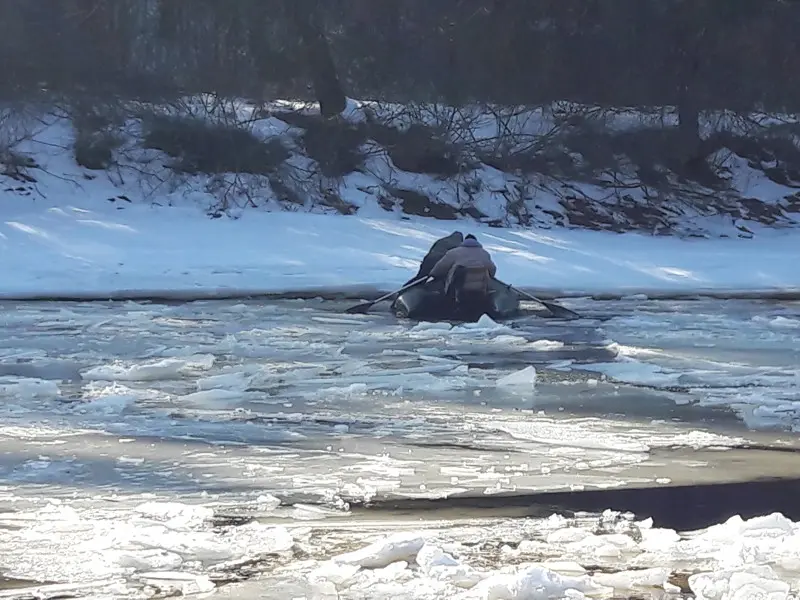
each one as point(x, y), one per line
point(82, 248)
point(140, 228)
point(559, 165)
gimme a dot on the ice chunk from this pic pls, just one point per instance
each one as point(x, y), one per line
point(333, 572)
point(112, 404)
point(147, 560)
point(353, 389)
point(606, 546)
point(314, 512)
point(484, 324)
point(212, 397)
point(25, 388)
point(564, 567)
point(431, 556)
point(533, 547)
point(654, 540)
point(55, 511)
point(560, 365)
point(525, 378)
point(177, 515)
point(260, 538)
point(510, 340)
point(46, 470)
point(554, 522)
point(391, 572)
point(740, 584)
point(785, 323)
point(703, 439)
point(238, 380)
point(568, 535)
point(462, 576)
point(533, 583)
point(772, 525)
point(322, 590)
point(190, 545)
point(546, 345)
point(424, 326)
point(174, 581)
point(634, 372)
point(441, 566)
point(629, 580)
point(268, 502)
point(397, 547)
point(168, 368)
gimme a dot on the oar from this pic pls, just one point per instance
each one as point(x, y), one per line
point(556, 309)
point(360, 309)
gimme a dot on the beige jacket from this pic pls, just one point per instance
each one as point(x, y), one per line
point(469, 254)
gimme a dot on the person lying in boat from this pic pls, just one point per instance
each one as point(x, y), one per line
point(436, 253)
point(466, 271)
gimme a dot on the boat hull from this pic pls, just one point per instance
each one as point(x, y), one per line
point(426, 303)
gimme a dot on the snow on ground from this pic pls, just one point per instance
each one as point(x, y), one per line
point(87, 247)
point(83, 233)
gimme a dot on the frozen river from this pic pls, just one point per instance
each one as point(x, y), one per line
point(148, 446)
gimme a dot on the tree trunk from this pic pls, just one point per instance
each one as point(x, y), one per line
point(688, 40)
point(317, 56)
point(688, 127)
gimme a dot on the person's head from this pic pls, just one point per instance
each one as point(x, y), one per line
point(470, 241)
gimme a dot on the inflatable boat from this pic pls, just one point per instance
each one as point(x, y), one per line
point(426, 302)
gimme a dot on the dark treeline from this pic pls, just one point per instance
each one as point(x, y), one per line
point(740, 55)
point(95, 58)
point(737, 54)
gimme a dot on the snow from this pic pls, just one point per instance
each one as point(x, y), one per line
point(88, 249)
point(104, 238)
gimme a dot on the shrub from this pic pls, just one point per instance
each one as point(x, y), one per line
point(203, 147)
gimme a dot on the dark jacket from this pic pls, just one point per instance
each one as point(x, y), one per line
point(436, 253)
point(469, 254)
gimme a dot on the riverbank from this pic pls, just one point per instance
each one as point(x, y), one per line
point(87, 250)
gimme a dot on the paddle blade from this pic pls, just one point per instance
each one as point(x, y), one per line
point(555, 309)
point(560, 311)
point(360, 309)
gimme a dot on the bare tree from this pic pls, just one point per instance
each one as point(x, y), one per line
point(304, 16)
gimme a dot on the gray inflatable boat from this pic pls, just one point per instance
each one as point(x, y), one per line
point(426, 302)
